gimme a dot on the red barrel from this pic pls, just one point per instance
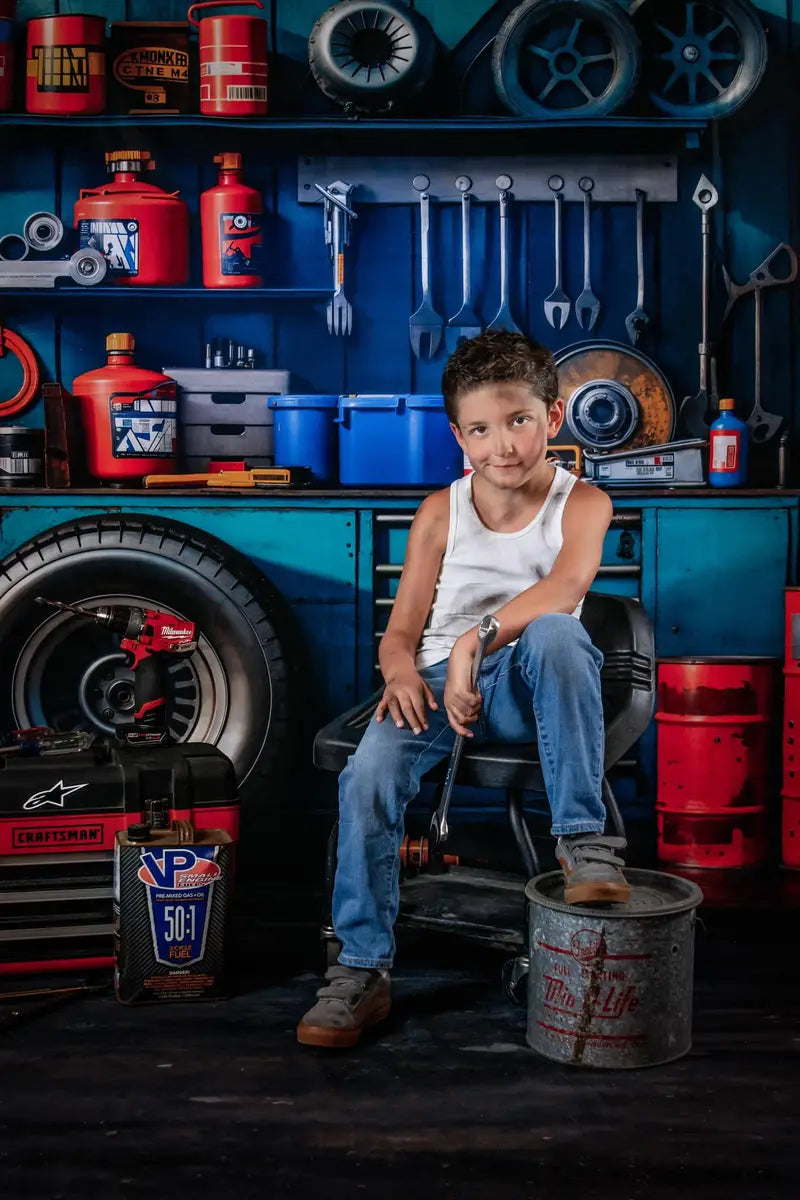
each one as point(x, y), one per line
point(142, 230)
point(66, 67)
point(129, 416)
point(6, 62)
point(790, 832)
point(715, 724)
point(233, 61)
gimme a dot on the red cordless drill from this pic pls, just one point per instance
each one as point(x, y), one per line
point(147, 636)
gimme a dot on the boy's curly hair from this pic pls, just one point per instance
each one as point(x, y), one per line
point(498, 356)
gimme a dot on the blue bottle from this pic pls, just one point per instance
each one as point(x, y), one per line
point(729, 442)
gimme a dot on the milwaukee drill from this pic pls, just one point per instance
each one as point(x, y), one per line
point(147, 637)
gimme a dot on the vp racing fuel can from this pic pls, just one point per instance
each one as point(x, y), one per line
point(129, 416)
point(142, 231)
point(172, 890)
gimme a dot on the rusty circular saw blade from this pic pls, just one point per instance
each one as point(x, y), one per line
point(586, 361)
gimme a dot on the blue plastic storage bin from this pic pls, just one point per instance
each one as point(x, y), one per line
point(305, 433)
point(396, 441)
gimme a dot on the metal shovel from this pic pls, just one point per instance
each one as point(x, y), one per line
point(425, 325)
point(466, 323)
point(439, 831)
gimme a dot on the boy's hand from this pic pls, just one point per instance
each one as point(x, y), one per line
point(460, 701)
point(405, 698)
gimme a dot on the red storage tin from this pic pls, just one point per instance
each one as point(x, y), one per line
point(790, 832)
point(233, 61)
point(66, 66)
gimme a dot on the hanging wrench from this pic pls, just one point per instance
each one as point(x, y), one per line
point(337, 235)
point(587, 305)
point(762, 423)
point(693, 410)
point(425, 322)
point(466, 323)
point(557, 305)
point(761, 278)
point(487, 631)
point(503, 318)
point(637, 321)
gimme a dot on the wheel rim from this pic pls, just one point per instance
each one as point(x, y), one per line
point(71, 675)
point(374, 50)
point(705, 57)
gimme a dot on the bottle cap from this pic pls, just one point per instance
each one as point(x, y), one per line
point(138, 833)
point(229, 162)
point(124, 342)
point(727, 405)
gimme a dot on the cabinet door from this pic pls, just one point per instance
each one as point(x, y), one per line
point(720, 580)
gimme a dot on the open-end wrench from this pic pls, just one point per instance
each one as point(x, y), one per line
point(587, 305)
point(466, 323)
point(637, 321)
point(557, 305)
point(439, 831)
point(425, 325)
point(763, 424)
point(761, 278)
point(694, 409)
point(503, 318)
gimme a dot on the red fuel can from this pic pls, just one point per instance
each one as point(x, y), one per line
point(142, 230)
point(6, 63)
point(129, 416)
point(66, 67)
point(231, 222)
point(233, 61)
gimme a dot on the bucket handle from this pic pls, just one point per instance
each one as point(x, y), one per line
point(220, 4)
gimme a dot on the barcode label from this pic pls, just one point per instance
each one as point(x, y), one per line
point(238, 92)
point(20, 466)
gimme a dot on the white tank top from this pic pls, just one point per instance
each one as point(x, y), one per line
point(482, 570)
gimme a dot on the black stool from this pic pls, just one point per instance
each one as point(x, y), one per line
point(621, 630)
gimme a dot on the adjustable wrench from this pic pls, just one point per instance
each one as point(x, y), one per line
point(503, 318)
point(557, 305)
point(466, 323)
point(439, 831)
point(637, 321)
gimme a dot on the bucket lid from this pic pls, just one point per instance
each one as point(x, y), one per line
point(364, 400)
point(308, 400)
point(653, 894)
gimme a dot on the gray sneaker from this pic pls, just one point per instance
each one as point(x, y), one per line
point(591, 869)
point(352, 1000)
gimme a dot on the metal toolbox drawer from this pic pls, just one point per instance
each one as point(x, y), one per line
point(227, 441)
point(207, 397)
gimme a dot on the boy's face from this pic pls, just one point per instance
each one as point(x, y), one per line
point(504, 429)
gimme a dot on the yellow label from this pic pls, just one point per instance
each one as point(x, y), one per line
point(340, 270)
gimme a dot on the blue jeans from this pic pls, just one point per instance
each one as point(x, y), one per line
point(545, 688)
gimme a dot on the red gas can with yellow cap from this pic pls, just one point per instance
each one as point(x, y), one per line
point(142, 231)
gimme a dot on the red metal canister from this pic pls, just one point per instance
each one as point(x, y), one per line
point(231, 223)
point(129, 416)
point(66, 67)
point(142, 231)
point(233, 61)
point(6, 63)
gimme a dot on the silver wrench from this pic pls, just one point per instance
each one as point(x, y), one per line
point(587, 303)
point(557, 305)
point(439, 831)
point(762, 423)
point(337, 235)
point(761, 278)
point(425, 322)
point(637, 321)
point(693, 410)
point(466, 323)
point(503, 318)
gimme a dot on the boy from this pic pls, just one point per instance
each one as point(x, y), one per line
point(518, 538)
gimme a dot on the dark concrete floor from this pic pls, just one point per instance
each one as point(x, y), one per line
point(98, 1100)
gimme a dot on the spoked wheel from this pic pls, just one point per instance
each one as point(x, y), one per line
point(566, 58)
point(703, 58)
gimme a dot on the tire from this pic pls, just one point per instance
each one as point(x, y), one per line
point(391, 47)
point(703, 59)
point(233, 691)
point(523, 79)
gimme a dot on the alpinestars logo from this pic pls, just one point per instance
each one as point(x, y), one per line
point(56, 795)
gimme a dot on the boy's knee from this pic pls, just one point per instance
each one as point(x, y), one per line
point(375, 770)
point(555, 636)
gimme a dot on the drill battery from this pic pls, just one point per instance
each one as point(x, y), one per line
point(172, 891)
point(59, 816)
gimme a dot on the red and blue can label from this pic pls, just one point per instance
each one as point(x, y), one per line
point(240, 241)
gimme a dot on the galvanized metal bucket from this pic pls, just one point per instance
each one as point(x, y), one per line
point(611, 986)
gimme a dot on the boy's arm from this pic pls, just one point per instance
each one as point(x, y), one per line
point(427, 541)
point(586, 518)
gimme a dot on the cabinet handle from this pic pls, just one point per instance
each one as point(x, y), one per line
point(676, 628)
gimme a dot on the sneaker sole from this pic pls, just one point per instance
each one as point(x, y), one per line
point(597, 893)
point(339, 1039)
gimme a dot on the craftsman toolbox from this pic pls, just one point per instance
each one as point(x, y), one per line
point(59, 815)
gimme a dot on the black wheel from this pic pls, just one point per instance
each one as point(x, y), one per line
point(371, 57)
point(703, 58)
point(566, 58)
point(58, 670)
